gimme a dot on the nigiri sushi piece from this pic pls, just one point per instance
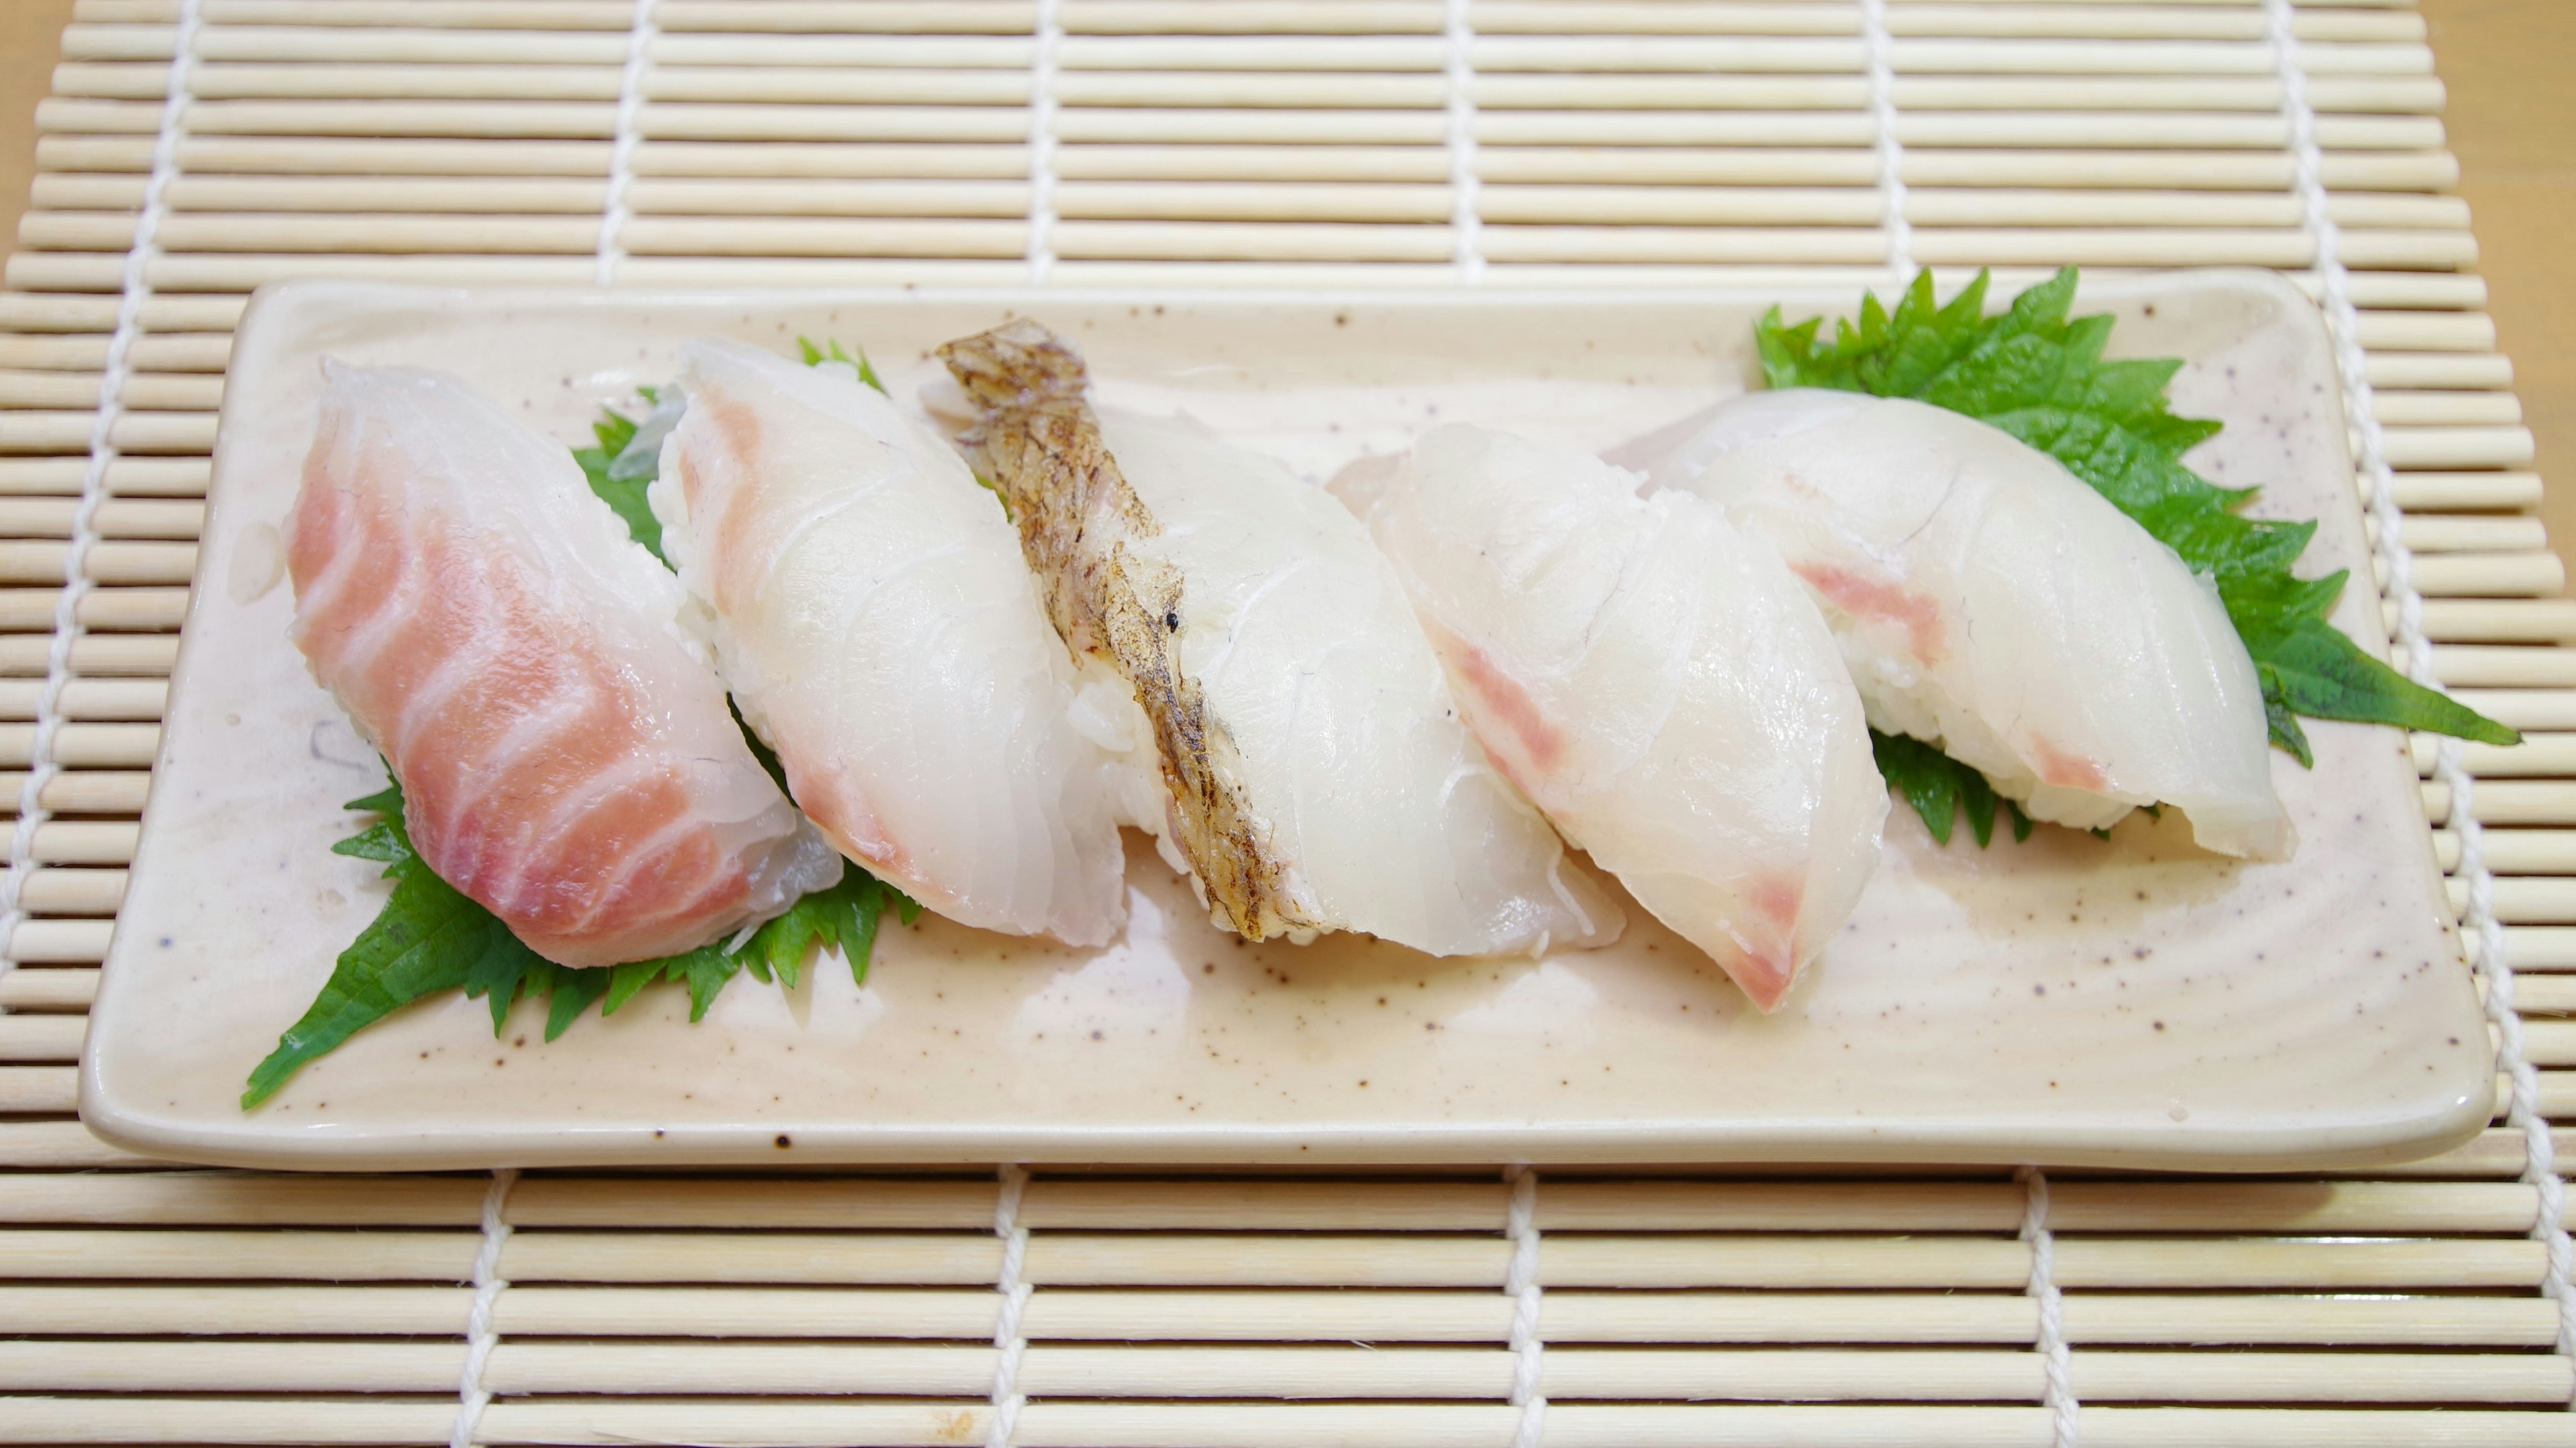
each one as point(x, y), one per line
point(567, 760)
point(869, 608)
point(1314, 774)
point(1992, 603)
point(1653, 677)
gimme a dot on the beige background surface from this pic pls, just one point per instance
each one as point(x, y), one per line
point(29, 30)
point(2512, 122)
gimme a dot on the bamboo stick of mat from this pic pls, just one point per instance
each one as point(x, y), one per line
point(1060, 1424)
point(1271, 1315)
point(1285, 1204)
point(1344, 1371)
point(208, 160)
point(2369, 19)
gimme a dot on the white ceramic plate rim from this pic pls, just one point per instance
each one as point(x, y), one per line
point(1925, 1137)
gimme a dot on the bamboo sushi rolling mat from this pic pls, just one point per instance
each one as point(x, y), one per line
point(1405, 142)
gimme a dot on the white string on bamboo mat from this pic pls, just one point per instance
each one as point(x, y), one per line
point(471, 1396)
point(135, 289)
point(1047, 34)
point(614, 212)
point(2058, 1391)
point(1521, 1281)
point(1891, 152)
point(1466, 220)
point(1010, 1339)
point(2485, 932)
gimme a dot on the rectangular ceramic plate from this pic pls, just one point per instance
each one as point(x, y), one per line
point(2068, 1000)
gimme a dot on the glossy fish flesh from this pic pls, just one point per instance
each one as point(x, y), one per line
point(566, 757)
point(1314, 773)
point(1992, 602)
point(1653, 677)
point(869, 608)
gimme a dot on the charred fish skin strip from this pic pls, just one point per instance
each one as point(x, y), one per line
point(1078, 519)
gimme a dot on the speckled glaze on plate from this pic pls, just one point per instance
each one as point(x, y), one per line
point(2070, 1000)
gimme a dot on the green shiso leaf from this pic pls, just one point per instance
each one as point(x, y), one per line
point(431, 938)
point(831, 351)
point(2041, 376)
point(427, 939)
point(614, 431)
point(1940, 788)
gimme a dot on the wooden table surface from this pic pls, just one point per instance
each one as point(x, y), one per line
point(2512, 121)
point(29, 31)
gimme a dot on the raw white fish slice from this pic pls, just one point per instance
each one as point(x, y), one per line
point(1653, 677)
point(1314, 774)
point(870, 610)
point(1990, 601)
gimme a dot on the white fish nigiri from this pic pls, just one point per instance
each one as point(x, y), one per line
point(1314, 773)
point(1654, 678)
point(879, 631)
point(565, 754)
point(1990, 601)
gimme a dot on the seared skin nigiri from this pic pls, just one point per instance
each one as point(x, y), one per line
point(872, 614)
point(1314, 772)
point(1653, 677)
point(566, 759)
point(1991, 602)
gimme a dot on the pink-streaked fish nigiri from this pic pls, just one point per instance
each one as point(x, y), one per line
point(1992, 602)
point(566, 759)
point(1652, 677)
point(870, 609)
